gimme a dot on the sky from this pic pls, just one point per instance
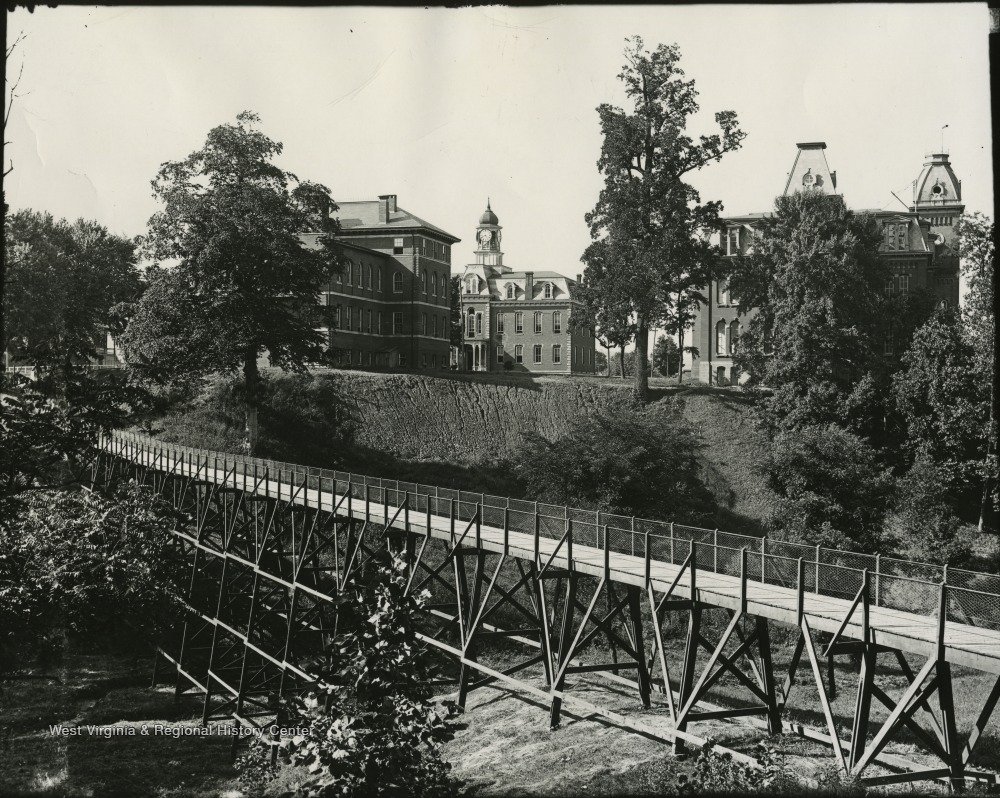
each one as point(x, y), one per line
point(448, 107)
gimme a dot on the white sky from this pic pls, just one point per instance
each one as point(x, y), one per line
point(445, 107)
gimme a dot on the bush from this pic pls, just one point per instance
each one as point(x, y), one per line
point(719, 773)
point(369, 726)
point(630, 461)
point(833, 489)
point(923, 522)
point(79, 563)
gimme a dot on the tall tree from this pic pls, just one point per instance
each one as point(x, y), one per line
point(456, 332)
point(10, 94)
point(245, 282)
point(666, 356)
point(648, 223)
point(818, 284)
point(608, 313)
point(64, 283)
point(977, 250)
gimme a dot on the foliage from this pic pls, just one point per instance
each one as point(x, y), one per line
point(716, 773)
point(600, 362)
point(833, 490)
point(456, 332)
point(63, 282)
point(81, 563)
point(245, 282)
point(924, 519)
point(369, 728)
point(623, 368)
point(629, 461)
point(817, 282)
point(649, 227)
point(666, 357)
point(944, 403)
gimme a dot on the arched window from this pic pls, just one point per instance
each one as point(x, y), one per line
point(519, 354)
point(548, 290)
point(510, 290)
point(723, 289)
point(397, 283)
point(470, 285)
point(350, 272)
point(470, 325)
point(556, 321)
point(379, 276)
point(734, 336)
point(720, 338)
point(538, 321)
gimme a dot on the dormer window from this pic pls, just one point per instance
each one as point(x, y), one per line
point(548, 290)
point(510, 290)
point(470, 285)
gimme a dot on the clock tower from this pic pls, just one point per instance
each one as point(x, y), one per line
point(488, 239)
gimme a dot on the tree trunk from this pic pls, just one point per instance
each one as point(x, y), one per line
point(641, 386)
point(621, 362)
point(680, 353)
point(607, 365)
point(251, 379)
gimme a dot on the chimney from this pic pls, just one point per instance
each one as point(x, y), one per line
point(579, 279)
point(386, 206)
point(529, 284)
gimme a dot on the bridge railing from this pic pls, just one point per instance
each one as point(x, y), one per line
point(969, 597)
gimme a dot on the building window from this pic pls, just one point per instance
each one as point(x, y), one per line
point(556, 353)
point(537, 353)
point(556, 322)
point(423, 323)
point(519, 323)
point(548, 290)
point(380, 279)
point(722, 289)
point(889, 343)
point(349, 319)
point(572, 354)
point(434, 321)
point(479, 323)
point(500, 323)
point(470, 285)
point(350, 272)
point(397, 283)
point(336, 317)
point(423, 360)
point(720, 338)
point(733, 241)
point(397, 323)
point(434, 283)
point(904, 283)
point(447, 252)
point(379, 330)
point(519, 354)
point(510, 290)
point(538, 321)
point(734, 336)
point(470, 324)
point(397, 247)
point(499, 354)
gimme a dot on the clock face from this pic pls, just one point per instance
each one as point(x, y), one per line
point(484, 237)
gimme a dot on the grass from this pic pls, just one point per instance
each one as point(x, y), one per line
point(111, 693)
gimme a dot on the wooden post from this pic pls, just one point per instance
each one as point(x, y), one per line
point(743, 580)
point(648, 557)
point(715, 551)
point(878, 579)
point(801, 592)
point(672, 560)
point(538, 532)
point(816, 586)
point(506, 529)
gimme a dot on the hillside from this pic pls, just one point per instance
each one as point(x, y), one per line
point(458, 430)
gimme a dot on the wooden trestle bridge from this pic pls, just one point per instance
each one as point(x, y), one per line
point(270, 544)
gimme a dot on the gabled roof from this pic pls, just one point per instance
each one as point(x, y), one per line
point(363, 215)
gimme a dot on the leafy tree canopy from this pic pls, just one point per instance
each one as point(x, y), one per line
point(64, 281)
point(817, 282)
point(245, 281)
point(649, 227)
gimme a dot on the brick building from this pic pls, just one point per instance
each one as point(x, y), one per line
point(518, 321)
point(919, 243)
point(389, 308)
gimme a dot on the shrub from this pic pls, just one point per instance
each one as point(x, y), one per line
point(369, 727)
point(833, 489)
point(720, 773)
point(629, 461)
point(81, 563)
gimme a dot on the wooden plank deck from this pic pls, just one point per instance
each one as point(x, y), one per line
point(965, 645)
